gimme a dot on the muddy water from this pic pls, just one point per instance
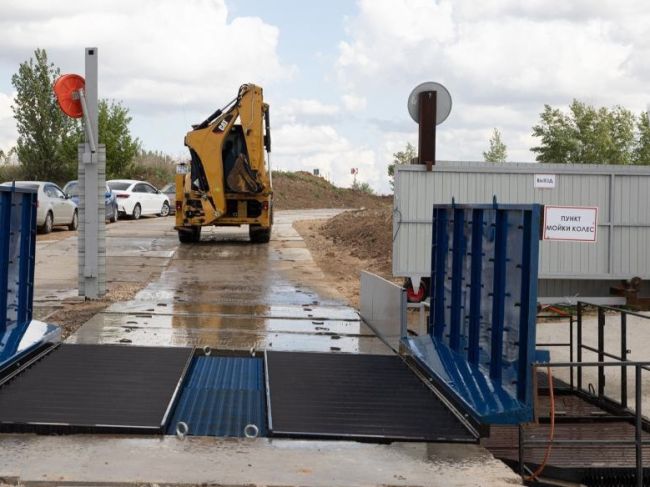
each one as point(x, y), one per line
point(229, 294)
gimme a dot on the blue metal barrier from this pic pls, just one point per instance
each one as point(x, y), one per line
point(481, 333)
point(17, 258)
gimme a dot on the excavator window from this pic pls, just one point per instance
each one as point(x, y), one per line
point(233, 145)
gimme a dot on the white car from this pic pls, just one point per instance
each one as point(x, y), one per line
point(54, 207)
point(137, 198)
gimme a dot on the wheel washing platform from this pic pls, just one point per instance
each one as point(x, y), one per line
point(161, 390)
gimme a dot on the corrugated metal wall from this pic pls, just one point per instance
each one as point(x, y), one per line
point(621, 193)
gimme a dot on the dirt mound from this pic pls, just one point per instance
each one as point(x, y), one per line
point(301, 190)
point(364, 234)
point(349, 243)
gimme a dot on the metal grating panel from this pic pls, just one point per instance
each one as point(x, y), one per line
point(95, 388)
point(222, 395)
point(355, 396)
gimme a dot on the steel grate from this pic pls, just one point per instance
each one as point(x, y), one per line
point(95, 388)
point(355, 396)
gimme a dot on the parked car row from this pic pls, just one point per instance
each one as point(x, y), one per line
point(137, 198)
point(110, 201)
point(123, 198)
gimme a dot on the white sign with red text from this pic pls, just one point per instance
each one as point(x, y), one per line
point(570, 223)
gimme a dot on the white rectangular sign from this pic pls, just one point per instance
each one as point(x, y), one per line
point(572, 223)
point(544, 181)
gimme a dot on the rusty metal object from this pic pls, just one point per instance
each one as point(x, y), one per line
point(427, 104)
point(630, 290)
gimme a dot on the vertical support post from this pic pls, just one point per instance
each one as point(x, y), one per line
point(476, 285)
point(571, 344)
point(458, 257)
point(428, 106)
point(579, 347)
point(499, 290)
point(520, 431)
point(638, 426)
point(92, 180)
point(439, 264)
point(624, 359)
point(5, 237)
point(528, 306)
point(601, 350)
point(26, 257)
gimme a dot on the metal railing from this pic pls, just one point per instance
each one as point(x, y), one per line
point(597, 394)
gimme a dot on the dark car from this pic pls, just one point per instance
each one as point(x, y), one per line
point(72, 189)
point(170, 191)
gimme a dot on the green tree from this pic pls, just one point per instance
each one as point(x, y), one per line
point(498, 152)
point(44, 132)
point(641, 153)
point(585, 135)
point(402, 157)
point(121, 148)
point(362, 187)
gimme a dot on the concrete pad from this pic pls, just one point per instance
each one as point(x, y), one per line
point(87, 459)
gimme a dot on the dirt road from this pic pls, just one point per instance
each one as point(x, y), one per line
point(228, 294)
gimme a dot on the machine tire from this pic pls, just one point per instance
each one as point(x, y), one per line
point(49, 221)
point(190, 235)
point(74, 224)
point(114, 215)
point(137, 212)
point(259, 234)
point(164, 211)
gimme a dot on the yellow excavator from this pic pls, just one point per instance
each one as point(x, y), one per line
point(228, 179)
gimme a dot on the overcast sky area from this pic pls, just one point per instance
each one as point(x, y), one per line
point(337, 74)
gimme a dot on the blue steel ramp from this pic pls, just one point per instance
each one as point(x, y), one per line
point(19, 334)
point(221, 396)
point(480, 342)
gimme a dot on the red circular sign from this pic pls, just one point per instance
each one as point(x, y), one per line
point(64, 89)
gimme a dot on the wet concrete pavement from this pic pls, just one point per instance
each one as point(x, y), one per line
point(228, 294)
point(136, 252)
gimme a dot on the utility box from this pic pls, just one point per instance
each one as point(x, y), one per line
point(567, 269)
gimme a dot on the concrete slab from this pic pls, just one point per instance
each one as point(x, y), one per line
point(137, 251)
point(66, 460)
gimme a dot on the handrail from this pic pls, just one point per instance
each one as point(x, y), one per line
point(621, 362)
point(613, 308)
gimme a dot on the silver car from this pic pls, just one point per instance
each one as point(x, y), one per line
point(54, 207)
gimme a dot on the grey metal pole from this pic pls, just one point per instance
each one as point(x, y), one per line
point(638, 426)
point(92, 180)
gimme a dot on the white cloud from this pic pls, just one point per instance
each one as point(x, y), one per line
point(294, 110)
point(308, 147)
point(8, 133)
point(159, 53)
point(354, 103)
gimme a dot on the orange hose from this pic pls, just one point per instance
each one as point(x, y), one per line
point(551, 435)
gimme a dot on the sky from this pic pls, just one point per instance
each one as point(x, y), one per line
point(337, 73)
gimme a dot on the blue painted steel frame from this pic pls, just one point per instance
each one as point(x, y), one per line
point(17, 260)
point(481, 333)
